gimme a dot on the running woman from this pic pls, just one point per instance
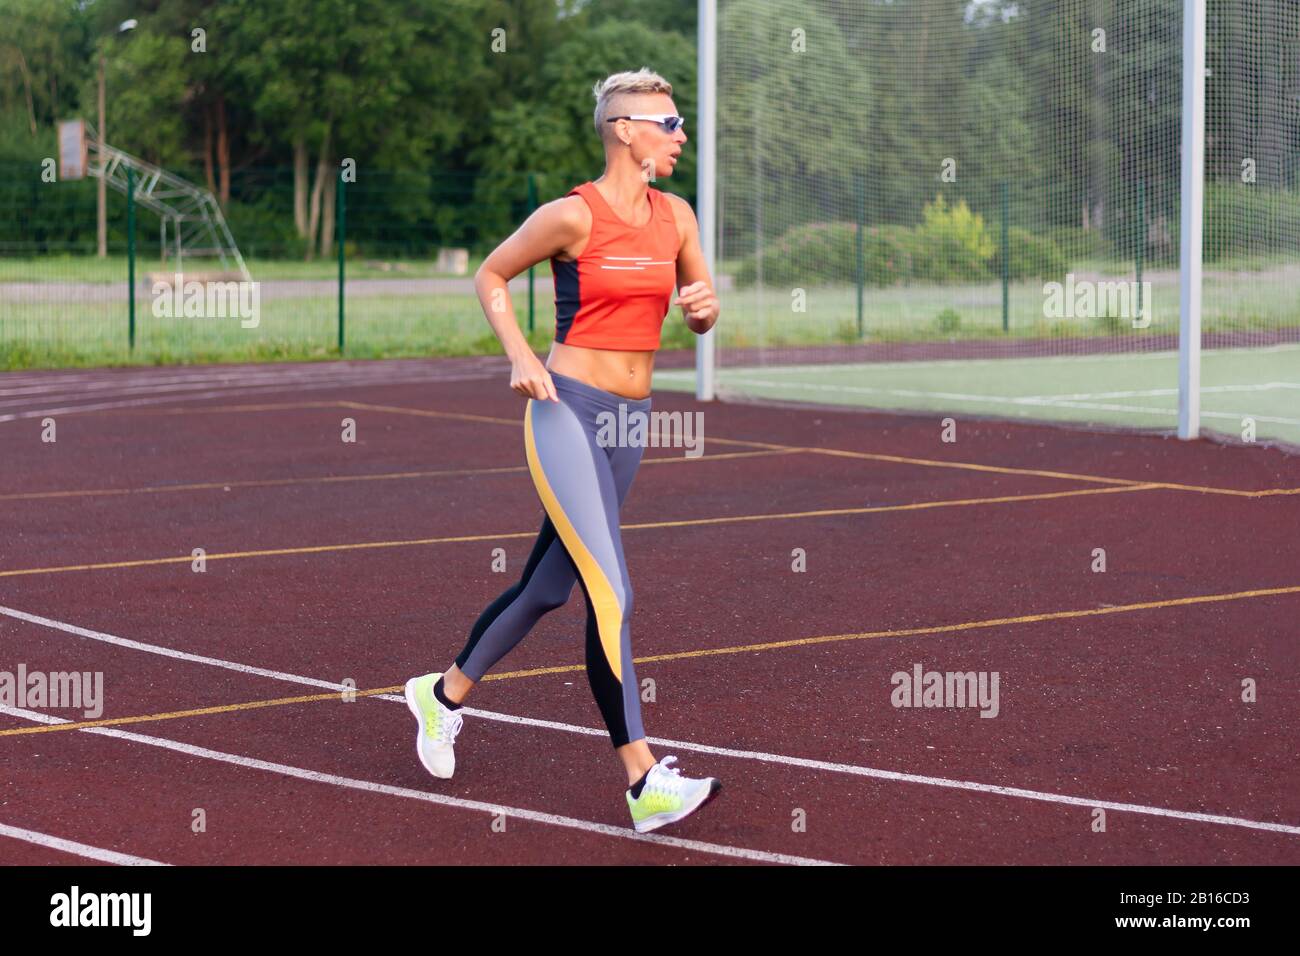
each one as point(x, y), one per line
point(618, 249)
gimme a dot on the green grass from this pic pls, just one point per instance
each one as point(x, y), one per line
point(402, 324)
point(69, 268)
point(765, 318)
point(45, 335)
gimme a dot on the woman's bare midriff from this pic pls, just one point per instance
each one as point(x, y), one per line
point(623, 373)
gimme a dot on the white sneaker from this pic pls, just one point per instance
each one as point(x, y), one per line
point(439, 726)
point(667, 796)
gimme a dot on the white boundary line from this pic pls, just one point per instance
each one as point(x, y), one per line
point(369, 786)
point(780, 759)
point(805, 368)
point(164, 383)
point(239, 390)
point(77, 849)
point(1153, 392)
point(1024, 401)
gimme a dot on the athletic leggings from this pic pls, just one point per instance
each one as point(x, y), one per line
point(582, 479)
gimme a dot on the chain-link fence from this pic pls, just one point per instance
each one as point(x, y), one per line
point(389, 271)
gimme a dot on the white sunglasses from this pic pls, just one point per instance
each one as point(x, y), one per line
point(667, 122)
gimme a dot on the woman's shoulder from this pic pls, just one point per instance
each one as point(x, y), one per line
point(572, 210)
point(683, 214)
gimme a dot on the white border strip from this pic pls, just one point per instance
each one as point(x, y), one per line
point(519, 813)
point(222, 392)
point(781, 759)
point(77, 849)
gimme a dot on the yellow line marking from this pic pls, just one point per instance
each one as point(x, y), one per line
point(200, 409)
point(685, 655)
point(330, 479)
point(972, 466)
point(871, 456)
point(680, 523)
point(429, 413)
point(911, 506)
point(974, 625)
point(196, 712)
point(769, 446)
point(263, 483)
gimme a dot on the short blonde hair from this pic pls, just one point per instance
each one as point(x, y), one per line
point(616, 85)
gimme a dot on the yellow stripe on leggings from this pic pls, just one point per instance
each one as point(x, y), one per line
point(609, 615)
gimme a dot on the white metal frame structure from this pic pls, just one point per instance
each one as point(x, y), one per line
point(198, 227)
point(1191, 205)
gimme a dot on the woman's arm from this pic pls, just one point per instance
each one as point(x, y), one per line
point(700, 306)
point(551, 228)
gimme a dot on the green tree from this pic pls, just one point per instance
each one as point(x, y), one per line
point(554, 137)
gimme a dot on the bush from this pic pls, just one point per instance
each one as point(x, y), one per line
point(826, 253)
point(1242, 218)
point(1075, 243)
point(262, 232)
point(951, 244)
point(1031, 257)
point(949, 320)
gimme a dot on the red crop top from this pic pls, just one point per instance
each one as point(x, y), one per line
point(616, 294)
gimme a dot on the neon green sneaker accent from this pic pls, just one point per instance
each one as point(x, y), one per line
point(667, 796)
point(438, 726)
point(429, 708)
point(652, 801)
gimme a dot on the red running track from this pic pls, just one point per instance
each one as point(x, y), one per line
point(1119, 690)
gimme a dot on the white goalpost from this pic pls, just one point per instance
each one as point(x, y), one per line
point(706, 177)
point(839, 122)
point(1193, 212)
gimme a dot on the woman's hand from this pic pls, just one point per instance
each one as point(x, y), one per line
point(699, 306)
point(529, 377)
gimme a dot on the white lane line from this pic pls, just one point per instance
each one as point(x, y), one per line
point(867, 366)
point(1168, 392)
point(78, 849)
point(369, 786)
point(99, 378)
point(164, 383)
point(985, 787)
point(166, 651)
point(222, 393)
point(61, 393)
point(1034, 401)
point(993, 361)
point(995, 789)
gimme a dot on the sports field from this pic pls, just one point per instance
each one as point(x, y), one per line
point(263, 684)
point(1136, 390)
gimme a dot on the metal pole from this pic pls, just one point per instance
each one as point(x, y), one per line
point(1006, 258)
point(532, 204)
point(1141, 240)
point(859, 189)
point(1192, 199)
point(130, 255)
point(342, 237)
point(706, 180)
point(101, 198)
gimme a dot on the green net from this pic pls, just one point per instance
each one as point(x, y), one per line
point(973, 208)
